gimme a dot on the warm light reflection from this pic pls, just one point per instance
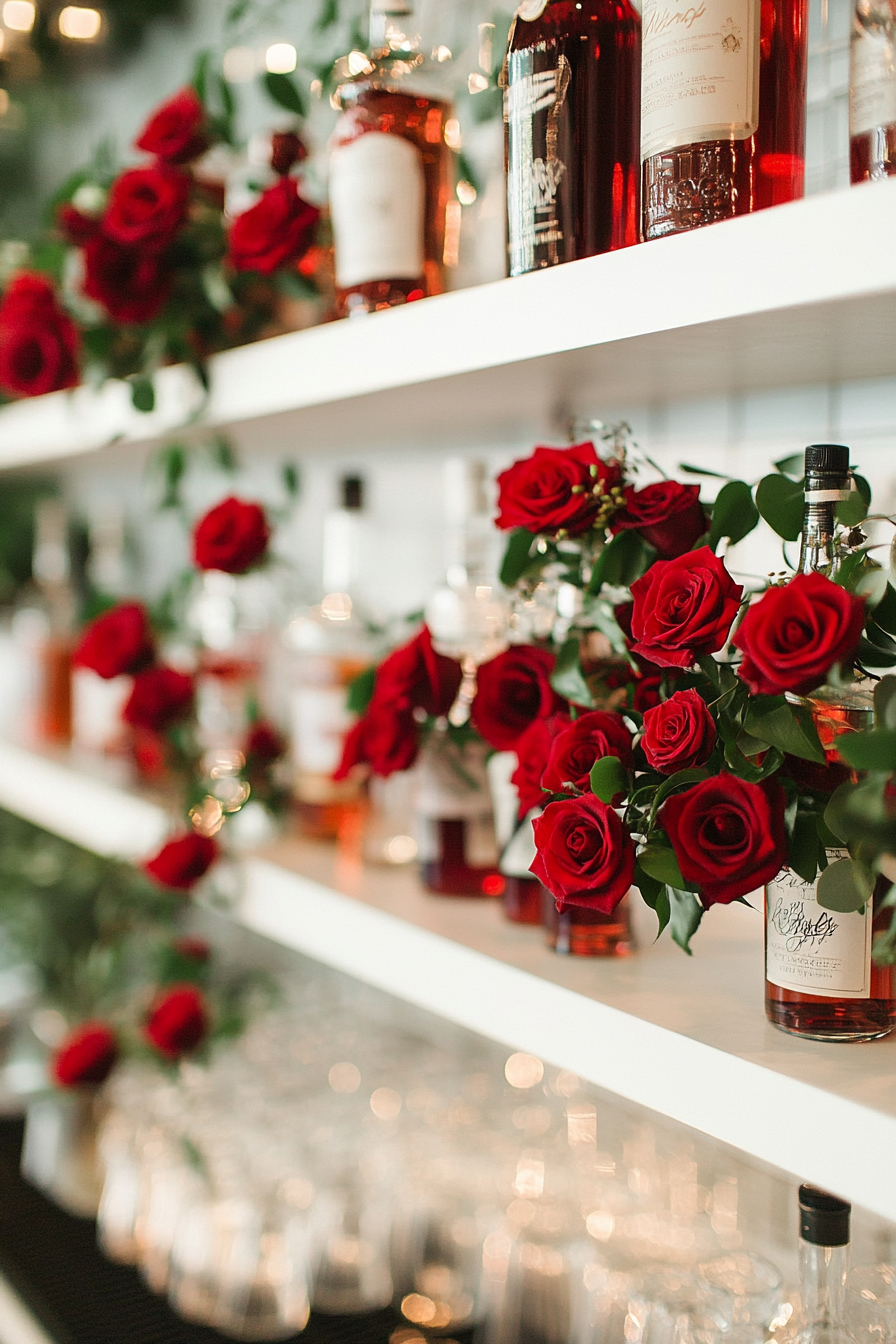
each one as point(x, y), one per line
point(357, 63)
point(19, 15)
point(477, 83)
point(345, 1078)
point(466, 192)
point(337, 607)
point(280, 58)
point(523, 1070)
point(80, 25)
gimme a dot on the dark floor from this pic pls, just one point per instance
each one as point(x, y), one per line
point(82, 1298)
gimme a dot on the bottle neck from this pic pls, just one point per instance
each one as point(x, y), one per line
point(819, 552)
point(389, 30)
point(823, 1271)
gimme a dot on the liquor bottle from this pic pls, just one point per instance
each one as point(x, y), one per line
point(578, 932)
point(723, 103)
point(329, 644)
point(455, 824)
point(824, 1265)
point(521, 896)
point(390, 171)
point(571, 108)
point(52, 573)
point(872, 91)
point(820, 980)
point(97, 702)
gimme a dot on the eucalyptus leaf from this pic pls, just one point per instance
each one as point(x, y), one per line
point(285, 92)
point(659, 862)
point(874, 750)
point(845, 886)
point(516, 557)
point(686, 914)
point(734, 514)
point(794, 465)
point(873, 586)
point(608, 779)
point(780, 502)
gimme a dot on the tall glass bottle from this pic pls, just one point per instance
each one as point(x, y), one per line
point(390, 171)
point(571, 107)
point(820, 979)
point(872, 91)
point(51, 568)
point(824, 1265)
point(723, 109)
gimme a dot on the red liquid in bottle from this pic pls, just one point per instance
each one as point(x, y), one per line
point(578, 932)
point(522, 899)
point(448, 873)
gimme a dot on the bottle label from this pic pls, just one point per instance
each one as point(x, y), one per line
point(377, 199)
point(812, 949)
point(537, 111)
point(872, 79)
point(532, 9)
point(700, 73)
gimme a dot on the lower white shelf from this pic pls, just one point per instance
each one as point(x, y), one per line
point(683, 1036)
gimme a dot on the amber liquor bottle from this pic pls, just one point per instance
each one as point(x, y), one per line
point(390, 171)
point(821, 982)
point(872, 91)
point(723, 104)
point(571, 105)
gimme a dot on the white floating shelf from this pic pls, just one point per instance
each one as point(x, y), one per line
point(684, 1036)
point(803, 293)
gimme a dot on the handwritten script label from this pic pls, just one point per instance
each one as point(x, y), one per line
point(808, 948)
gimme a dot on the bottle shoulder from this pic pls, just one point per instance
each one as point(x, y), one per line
point(564, 19)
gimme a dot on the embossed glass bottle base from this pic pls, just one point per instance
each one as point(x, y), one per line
point(578, 932)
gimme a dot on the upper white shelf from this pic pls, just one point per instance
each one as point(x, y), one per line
point(803, 293)
point(684, 1036)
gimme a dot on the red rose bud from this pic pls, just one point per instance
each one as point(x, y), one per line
point(277, 230)
point(181, 862)
point(512, 691)
point(264, 744)
point(232, 537)
point(679, 733)
point(728, 835)
point(77, 227)
point(287, 149)
point(668, 515)
point(532, 752)
point(177, 132)
point(554, 490)
point(133, 285)
point(387, 739)
point(585, 741)
point(684, 608)
point(793, 636)
point(159, 697)
point(39, 343)
point(178, 1022)
point(416, 677)
point(585, 854)
point(118, 642)
point(87, 1055)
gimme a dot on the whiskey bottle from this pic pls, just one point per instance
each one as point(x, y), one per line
point(390, 171)
point(821, 982)
point(723, 104)
point(571, 108)
point(872, 91)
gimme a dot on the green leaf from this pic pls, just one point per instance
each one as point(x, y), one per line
point(885, 611)
point(870, 654)
point(850, 512)
point(702, 471)
point(885, 703)
point(237, 11)
point(200, 75)
point(793, 465)
point(780, 502)
point(295, 285)
point(734, 514)
point(568, 679)
point(874, 750)
point(804, 846)
point(466, 172)
point(329, 13)
point(143, 394)
point(789, 728)
point(844, 886)
point(677, 781)
point(654, 895)
point(872, 585)
point(360, 691)
point(291, 479)
point(608, 779)
point(659, 862)
point(687, 913)
point(621, 561)
point(516, 557)
point(285, 92)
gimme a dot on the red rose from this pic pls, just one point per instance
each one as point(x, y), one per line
point(683, 608)
point(77, 227)
point(513, 690)
point(264, 744)
point(176, 132)
point(159, 697)
point(416, 677)
point(146, 207)
point(554, 490)
point(532, 752)
point(647, 692)
point(728, 835)
point(793, 636)
point(87, 1055)
point(585, 854)
point(287, 149)
point(178, 1022)
point(232, 537)
point(668, 515)
point(39, 344)
point(118, 642)
point(133, 285)
point(679, 733)
point(277, 230)
point(181, 862)
point(193, 949)
point(386, 738)
point(585, 741)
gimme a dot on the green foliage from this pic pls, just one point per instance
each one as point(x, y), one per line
point(686, 914)
point(608, 779)
point(873, 750)
point(788, 727)
point(19, 498)
point(780, 502)
point(845, 886)
point(621, 562)
point(852, 511)
point(660, 863)
point(143, 394)
point(734, 514)
point(360, 691)
point(285, 92)
point(516, 557)
point(568, 679)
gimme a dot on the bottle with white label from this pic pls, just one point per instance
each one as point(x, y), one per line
point(820, 979)
point(872, 91)
point(390, 171)
point(723, 109)
point(571, 108)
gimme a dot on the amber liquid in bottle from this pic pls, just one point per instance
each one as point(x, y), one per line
point(449, 872)
point(571, 107)
point(872, 91)
point(740, 146)
point(579, 932)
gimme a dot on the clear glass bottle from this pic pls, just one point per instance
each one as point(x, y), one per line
point(329, 644)
point(51, 569)
point(571, 110)
point(723, 110)
point(872, 91)
point(824, 1265)
point(390, 171)
point(820, 980)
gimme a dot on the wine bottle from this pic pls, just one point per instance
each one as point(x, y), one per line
point(824, 1265)
point(390, 171)
point(872, 91)
point(820, 980)
point(571, 108)
point(52, 573)
point(723, 104)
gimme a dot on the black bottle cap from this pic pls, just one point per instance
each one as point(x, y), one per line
point(824, 1219)
point(353, 493)
point(831, 459)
